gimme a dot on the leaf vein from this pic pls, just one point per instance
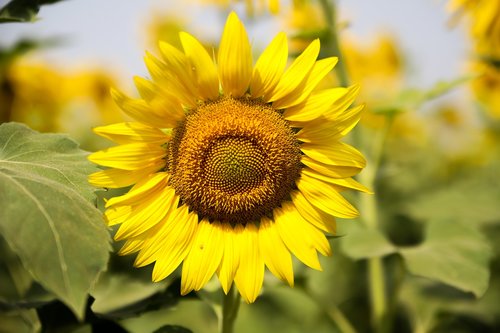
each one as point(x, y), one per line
point(60, 254)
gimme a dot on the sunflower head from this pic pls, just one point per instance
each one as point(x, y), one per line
point(234, 166)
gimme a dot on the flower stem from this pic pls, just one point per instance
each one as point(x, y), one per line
point(368, 207)
point(340, 320)
point(368, 204)
point(333, 45)
point(331, 311)
point(230, 307)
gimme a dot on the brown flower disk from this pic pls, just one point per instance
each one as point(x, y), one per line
point(233, 160)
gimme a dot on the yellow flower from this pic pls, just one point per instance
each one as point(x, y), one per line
point(236, 166)
point(486, 88)
point(485, 27)
point(304, 20)
point(253, 6)
point(165, 27)
point(49, 99)
point(377, 66)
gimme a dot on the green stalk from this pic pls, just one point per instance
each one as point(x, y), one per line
point(368, 203)
point(230, 307)
point(332, 312)
point(332, 45)
point(340, 320)
point(368, 207)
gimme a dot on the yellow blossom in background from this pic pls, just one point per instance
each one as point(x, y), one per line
point(484, 18)
point(234, 166)
point(486, 88)
point(254, 7)
point(164, 27)
point(49, 99)
point(484, 21)
point(303, 18)
point(378, 67)
point(456, 132)
point(34, 96)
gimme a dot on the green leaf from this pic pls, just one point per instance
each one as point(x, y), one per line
point(20, 321)
point(468, 200)
point(120, 291)
point(365, 243)
point(453, 253)
point(46, 216)
point(22, 10)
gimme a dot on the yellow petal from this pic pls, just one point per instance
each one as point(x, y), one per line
point(122, 133)
point(231, 258)
point(116, 215)
point(204, 256)
point(274, 252)
point(178, 64)
point(132, 156)
point(149, 184)
point(143, 214)
point(235, 58)
point(176, 246)
point(154, 242)
point(324, 130)
point(269, 67)
point(166, 80)
point(296, 73)
point(337, 153)
point(202, 65)
point(294, 232)
point(325, 197)
point(162, 101)
point(146, 213)
point(116, 178)
point(315, 106)
point(145, 113)
point(334, 171)
point(312, 215)
point(343, 102)
point(146, 88)
point(250, 274)
point(131, 246)
point(339, 183)
point(320, 69)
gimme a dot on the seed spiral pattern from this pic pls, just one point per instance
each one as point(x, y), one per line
point(233, 160)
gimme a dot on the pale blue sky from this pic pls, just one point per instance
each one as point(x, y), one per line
point(111, 33)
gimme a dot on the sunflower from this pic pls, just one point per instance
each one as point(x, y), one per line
point(485, 24)
point(234, 166)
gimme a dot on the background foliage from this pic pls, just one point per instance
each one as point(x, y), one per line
point(424, 257)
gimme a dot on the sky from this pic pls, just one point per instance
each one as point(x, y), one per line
point(111, 34)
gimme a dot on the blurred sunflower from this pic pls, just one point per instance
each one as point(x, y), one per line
point(49, 99)
point(485, 23)
point(253, 6)
point(486, 88)
point(235, 166)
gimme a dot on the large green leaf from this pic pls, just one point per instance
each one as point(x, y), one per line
point(46, 215)
point(453, 253)
point(470, 200)
point(365, 243)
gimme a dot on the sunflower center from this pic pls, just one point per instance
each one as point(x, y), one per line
point(234, 164)
point(233, 160)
